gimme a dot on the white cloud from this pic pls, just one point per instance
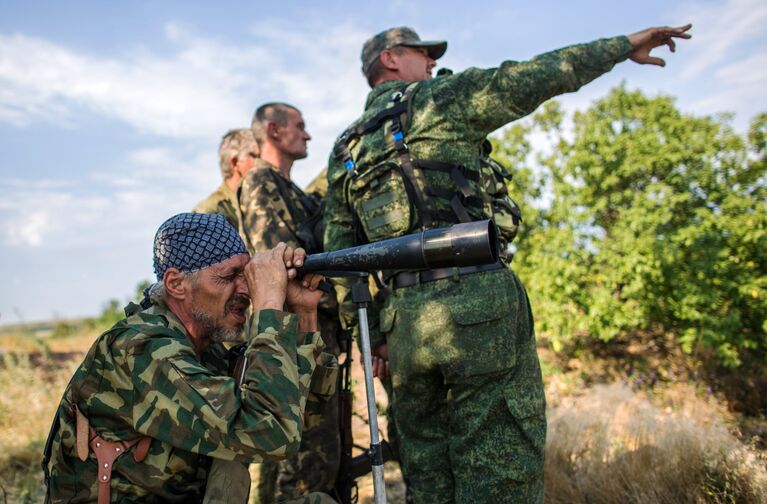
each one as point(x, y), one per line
point(29, 229)
point(199, 91)
point(718, 29)
point(741, 87)
point(165, 96)
point(56, 215)
point(752, 70)
point(202, 89)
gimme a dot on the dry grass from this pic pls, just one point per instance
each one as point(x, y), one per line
point(29, 395)
point(614, 445)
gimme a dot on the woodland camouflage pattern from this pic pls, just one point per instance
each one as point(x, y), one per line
point(319, 184)
point(468, 396)
point(143, 378)
point(267, 220)
point(221, 201)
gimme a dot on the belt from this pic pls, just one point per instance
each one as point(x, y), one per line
point(408, 278)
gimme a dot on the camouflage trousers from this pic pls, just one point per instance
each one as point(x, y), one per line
point(229, 483)
point(468, 397)
point(315, 466)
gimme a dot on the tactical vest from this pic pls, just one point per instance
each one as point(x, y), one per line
point(394, 198)
point(309, 229)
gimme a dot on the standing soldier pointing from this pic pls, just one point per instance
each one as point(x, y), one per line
point(468, 397)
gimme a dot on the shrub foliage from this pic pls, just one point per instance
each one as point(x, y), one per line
point(641, 219)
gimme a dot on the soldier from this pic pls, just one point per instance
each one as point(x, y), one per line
point(274, 210)
point(156, 385)
point(319, 185)
point(468, 396)
point(236, 154)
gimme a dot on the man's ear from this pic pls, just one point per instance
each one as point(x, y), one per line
point(272, 130)
point(389, 60)
point(173, 280)
point(233, 162)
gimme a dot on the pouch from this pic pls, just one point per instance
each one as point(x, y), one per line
point(380, 199)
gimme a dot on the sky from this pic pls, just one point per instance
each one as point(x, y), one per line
point(111, 112)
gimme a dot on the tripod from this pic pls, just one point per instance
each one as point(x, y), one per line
point(360, 295)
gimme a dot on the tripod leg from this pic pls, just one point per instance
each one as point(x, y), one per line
point(376, 454)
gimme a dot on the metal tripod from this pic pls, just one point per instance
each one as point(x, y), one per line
point(361, 298)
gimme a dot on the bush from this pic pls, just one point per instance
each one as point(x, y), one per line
point(644, 220)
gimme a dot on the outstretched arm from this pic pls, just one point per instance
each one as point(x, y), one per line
point(646, 40)
point(490, 98)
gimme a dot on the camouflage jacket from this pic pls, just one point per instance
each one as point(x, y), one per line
point(449, 118)
point(221, 201)
point(319, 184)
point(143, 378)
point(273, 208)
point(269, 217)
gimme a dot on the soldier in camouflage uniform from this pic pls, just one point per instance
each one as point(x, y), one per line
point(468, 395)
point(156, 386)
point(319, 185)
point(274, 210)
point(236, 154)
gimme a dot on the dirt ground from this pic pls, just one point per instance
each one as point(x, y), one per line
point(395, 486)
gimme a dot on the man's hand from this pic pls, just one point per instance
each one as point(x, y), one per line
point(267, 278)
point(380, 358)
point(302, 295)
point(646, 40)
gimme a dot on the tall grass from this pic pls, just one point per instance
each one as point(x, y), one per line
point(29, 395)
point(614, 445)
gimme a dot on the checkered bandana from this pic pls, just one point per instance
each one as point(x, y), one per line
point(191, 242)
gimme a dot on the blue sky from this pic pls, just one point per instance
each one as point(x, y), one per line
point(111, 113)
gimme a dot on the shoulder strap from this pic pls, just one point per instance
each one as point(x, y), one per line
point(414, 181)
point(398, 105)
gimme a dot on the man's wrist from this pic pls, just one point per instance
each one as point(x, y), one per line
point(307, 320)
point(268, 304)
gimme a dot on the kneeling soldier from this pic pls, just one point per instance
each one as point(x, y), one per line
point(157, 384)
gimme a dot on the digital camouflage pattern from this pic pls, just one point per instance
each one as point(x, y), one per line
point(221, 201)
point(497, 201)
point(267, 220)
point(468, 396)
point(143, 378)
point(393, 37)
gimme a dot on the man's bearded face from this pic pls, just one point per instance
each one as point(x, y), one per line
point(220, 300)
point(214, 330)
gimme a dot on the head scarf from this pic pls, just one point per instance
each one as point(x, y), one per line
point(190, 242)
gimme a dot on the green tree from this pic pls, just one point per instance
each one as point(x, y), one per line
point(655, 223)
point(113, 311)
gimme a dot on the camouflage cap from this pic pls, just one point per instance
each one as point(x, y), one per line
point(393, 37)
point(190, 242)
